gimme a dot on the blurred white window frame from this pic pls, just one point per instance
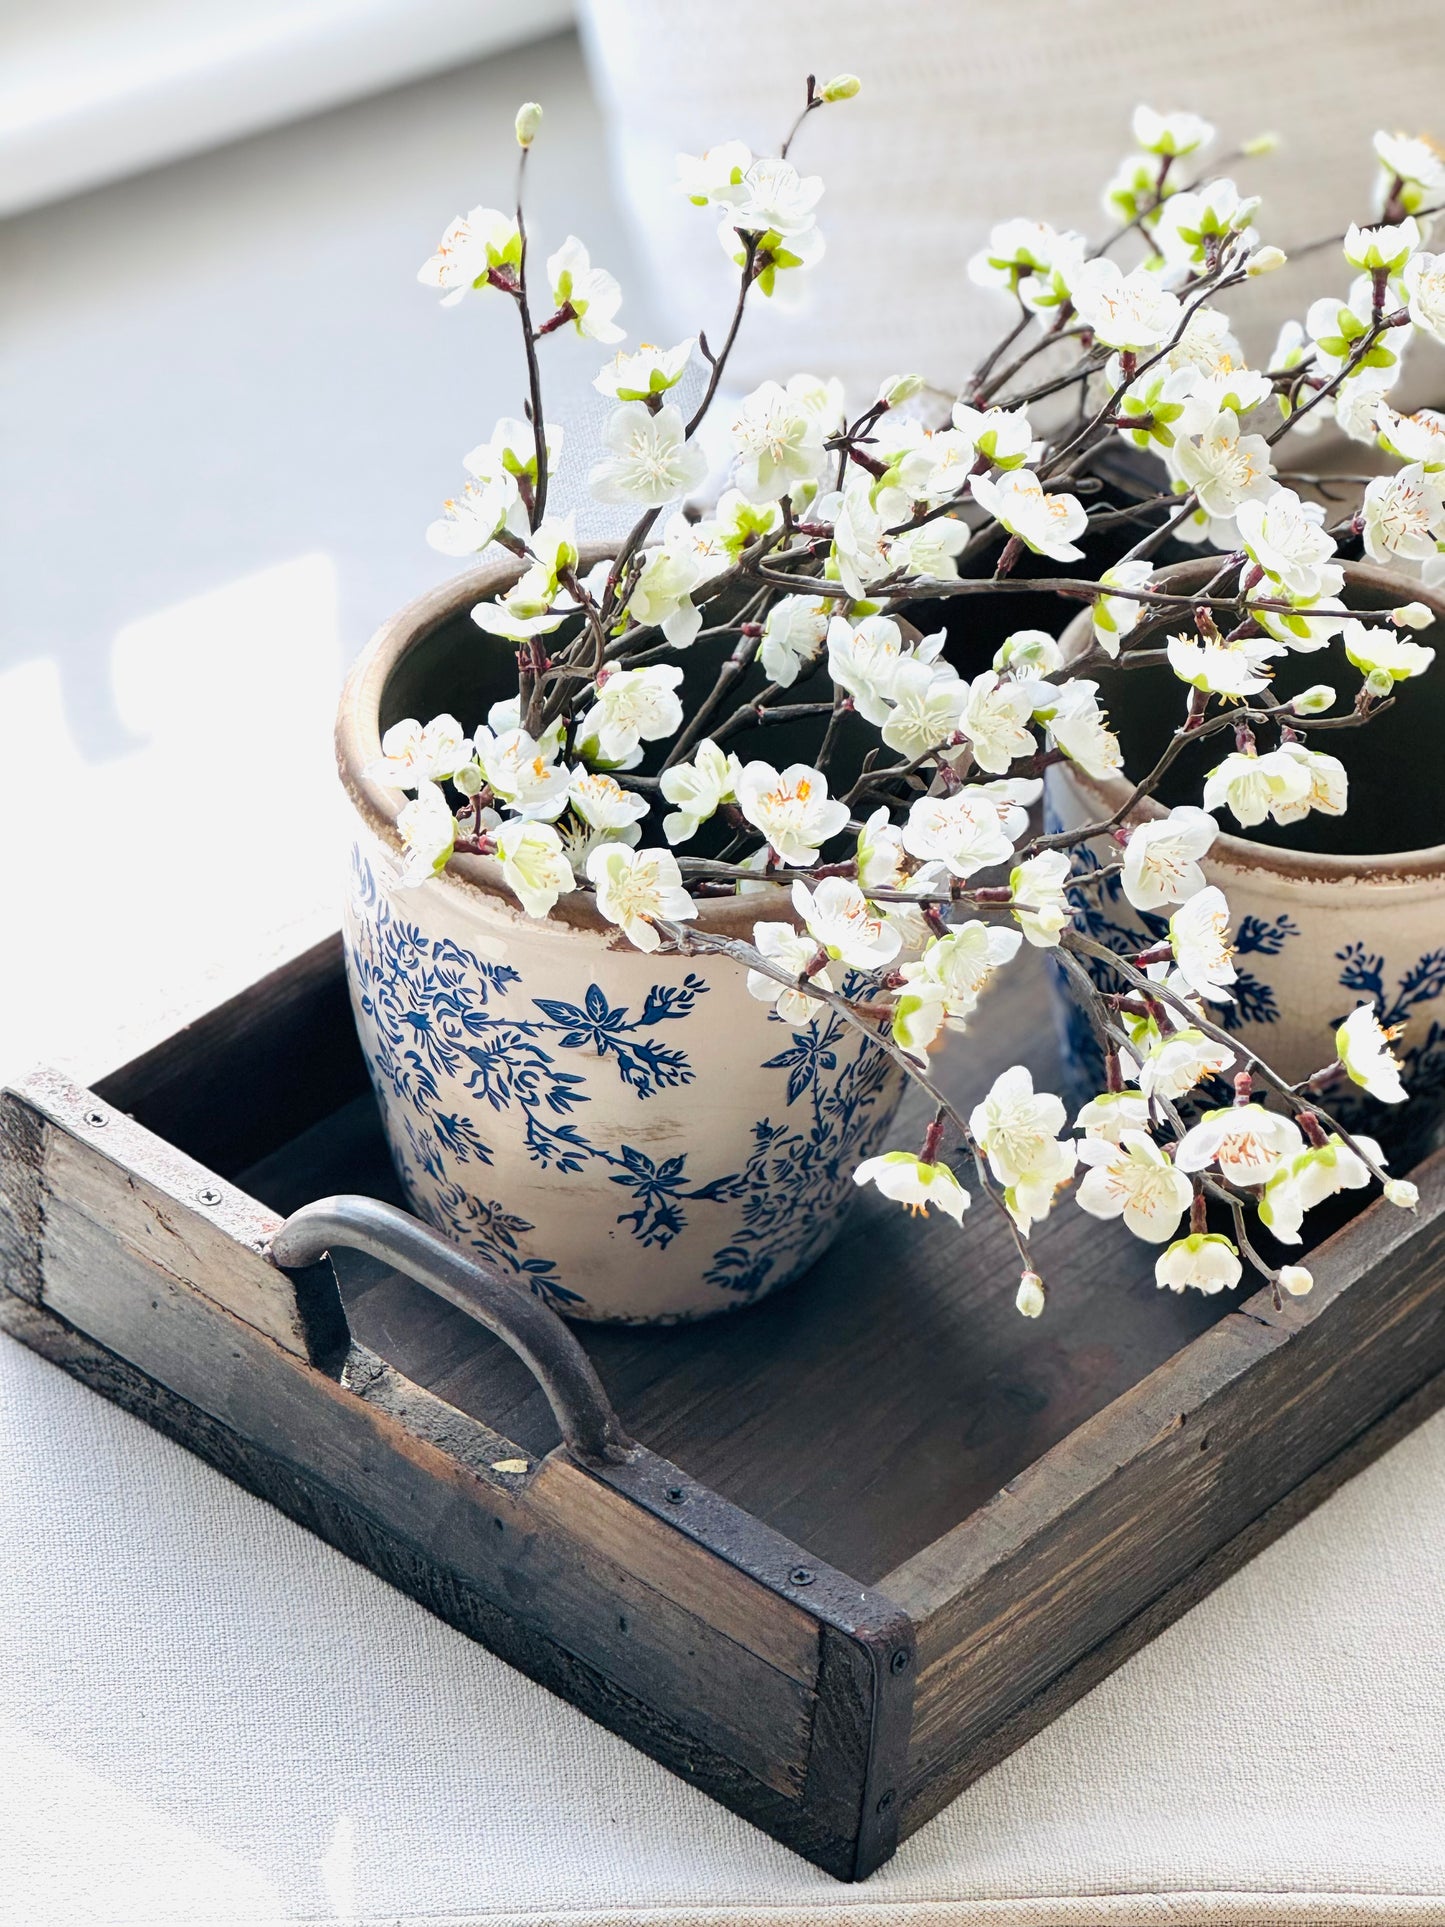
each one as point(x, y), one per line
point(91, 90)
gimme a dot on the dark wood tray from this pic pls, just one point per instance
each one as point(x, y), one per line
point(878, 1531)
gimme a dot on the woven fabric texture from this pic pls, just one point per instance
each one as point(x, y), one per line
point(976, 110)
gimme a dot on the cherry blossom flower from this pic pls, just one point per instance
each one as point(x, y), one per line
point(993, 717)
point(716, 175)
point(1424, 280)
point(1376, 651)
point(1224, 467)
point(646, 372)
point(1195, 220)
point(662, 594)
point(471, 519)
point(793, 632)
point(1204, 1261)
point(1016, 1129)
point(930, 550)
point(1079, 727)
point(1245, 1142)
point(1383, 248)
point(523, 774)
point(652, 461)
point(1111, 1113)
point(1404, 515)
point(1284, 536)
point(697, 790)
point(773, 250)
point(1363, 1044)
point(1219, 665)
point(1038, 901)
point(511, 453)
point(1002, 436)
point(428, 832)
point(961, 831)
point(634, 887)
point(473, 246)
point(1327, 785)
point(792, 809)
point(907, 1179)
point(779, 443)
point(1179, 1060)
point(1133, 1179)
point(1131, 311)
point(633, 706)
point(1412, 438)
point(1415, 164)
point(1047, 524)
point(604, 806)
point(864, 659)
point(413, 753)
point(840, 918)
point(861, 548)
point(957, 968)
point(796, 952)
point(534, 867)
point(927, 700)
point(1312, 1174)
point(591, 293)
point(772, 197)
point(1255, 787)
point(1199, 936)
point(1018, 251)
point(1028, 653)
point(1171, 135)
point(1161, 859)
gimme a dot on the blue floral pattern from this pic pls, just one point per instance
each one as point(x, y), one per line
point(435, 1018)
point(1105, 914)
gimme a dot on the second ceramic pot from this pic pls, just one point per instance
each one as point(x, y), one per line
point(1326, 915)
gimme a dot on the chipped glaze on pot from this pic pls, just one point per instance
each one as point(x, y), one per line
point(1314, 935)
point(632, 1137)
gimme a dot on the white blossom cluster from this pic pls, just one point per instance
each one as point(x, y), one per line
point(922, 876)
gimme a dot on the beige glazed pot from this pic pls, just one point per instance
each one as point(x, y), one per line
point(1338, 911)
point(631, 1136)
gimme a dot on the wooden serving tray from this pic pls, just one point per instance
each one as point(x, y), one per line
point(877, 1531)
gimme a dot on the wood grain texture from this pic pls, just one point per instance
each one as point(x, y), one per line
point(1141, 1495)
point(281, 1053)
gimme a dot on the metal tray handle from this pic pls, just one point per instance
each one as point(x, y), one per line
point(590, 1427)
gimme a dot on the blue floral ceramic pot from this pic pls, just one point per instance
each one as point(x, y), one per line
point(632, 1137)
point(1316, 931)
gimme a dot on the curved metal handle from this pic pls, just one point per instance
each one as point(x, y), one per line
point(590, 1427)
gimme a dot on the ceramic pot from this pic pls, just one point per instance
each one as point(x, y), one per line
point(633, 1137)
point(1327, 913)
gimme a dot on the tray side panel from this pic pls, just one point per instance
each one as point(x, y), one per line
point(1110, 1521)
point(265, 1065)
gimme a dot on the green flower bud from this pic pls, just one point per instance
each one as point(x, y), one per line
point(1379, 682)
point(1313, 701)
point(841, 87)
point(529, 119)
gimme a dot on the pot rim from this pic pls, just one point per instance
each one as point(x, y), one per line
point(358, 744)
point(1386, 870)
